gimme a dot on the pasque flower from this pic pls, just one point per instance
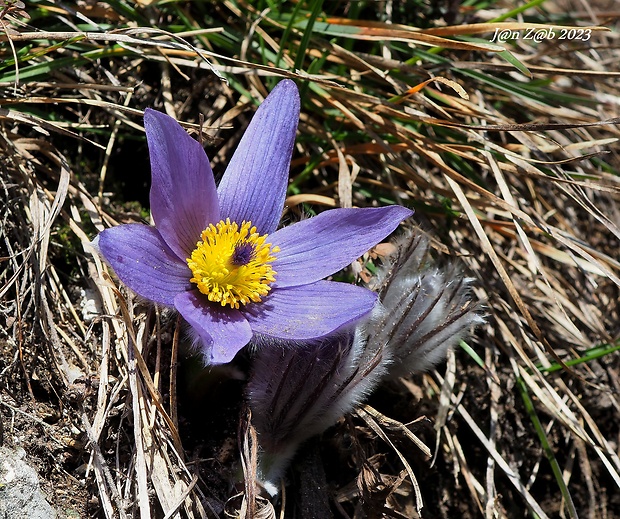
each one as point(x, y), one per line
point(216, 254)
point(423, 311)
point(295, 393)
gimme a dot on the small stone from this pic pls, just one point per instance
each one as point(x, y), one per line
point(20, 494)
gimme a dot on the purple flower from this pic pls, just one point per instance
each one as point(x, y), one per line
point(216, 255)
point(295, 393)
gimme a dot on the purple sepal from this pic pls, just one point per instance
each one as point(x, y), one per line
point(309, 311)
point(183, 194)
point(144, 262)
point(223, 331)
point(315, 248)
point(253, 187)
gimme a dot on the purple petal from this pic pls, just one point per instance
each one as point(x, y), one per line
point(254, 184)
point(309, 311)
point(183, 192)
point(315, 248)
point(143, 261)
point(223, 330)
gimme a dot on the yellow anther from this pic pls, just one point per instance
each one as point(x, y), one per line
point(232, 265)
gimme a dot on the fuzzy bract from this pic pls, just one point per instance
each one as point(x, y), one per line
point(295, 393)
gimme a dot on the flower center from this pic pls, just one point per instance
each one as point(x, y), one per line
point(232, 265)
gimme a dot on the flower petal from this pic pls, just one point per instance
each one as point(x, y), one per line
point(183, 192)
point(309, 311)
point(315, 248)
point(143, 261)
point(254, 184)
point(223, 331)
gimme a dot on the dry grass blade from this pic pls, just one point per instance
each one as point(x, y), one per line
point(370, 417)
point(514, 477)
point(40, 123)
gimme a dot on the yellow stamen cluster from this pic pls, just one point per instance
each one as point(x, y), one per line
point(232, 265)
